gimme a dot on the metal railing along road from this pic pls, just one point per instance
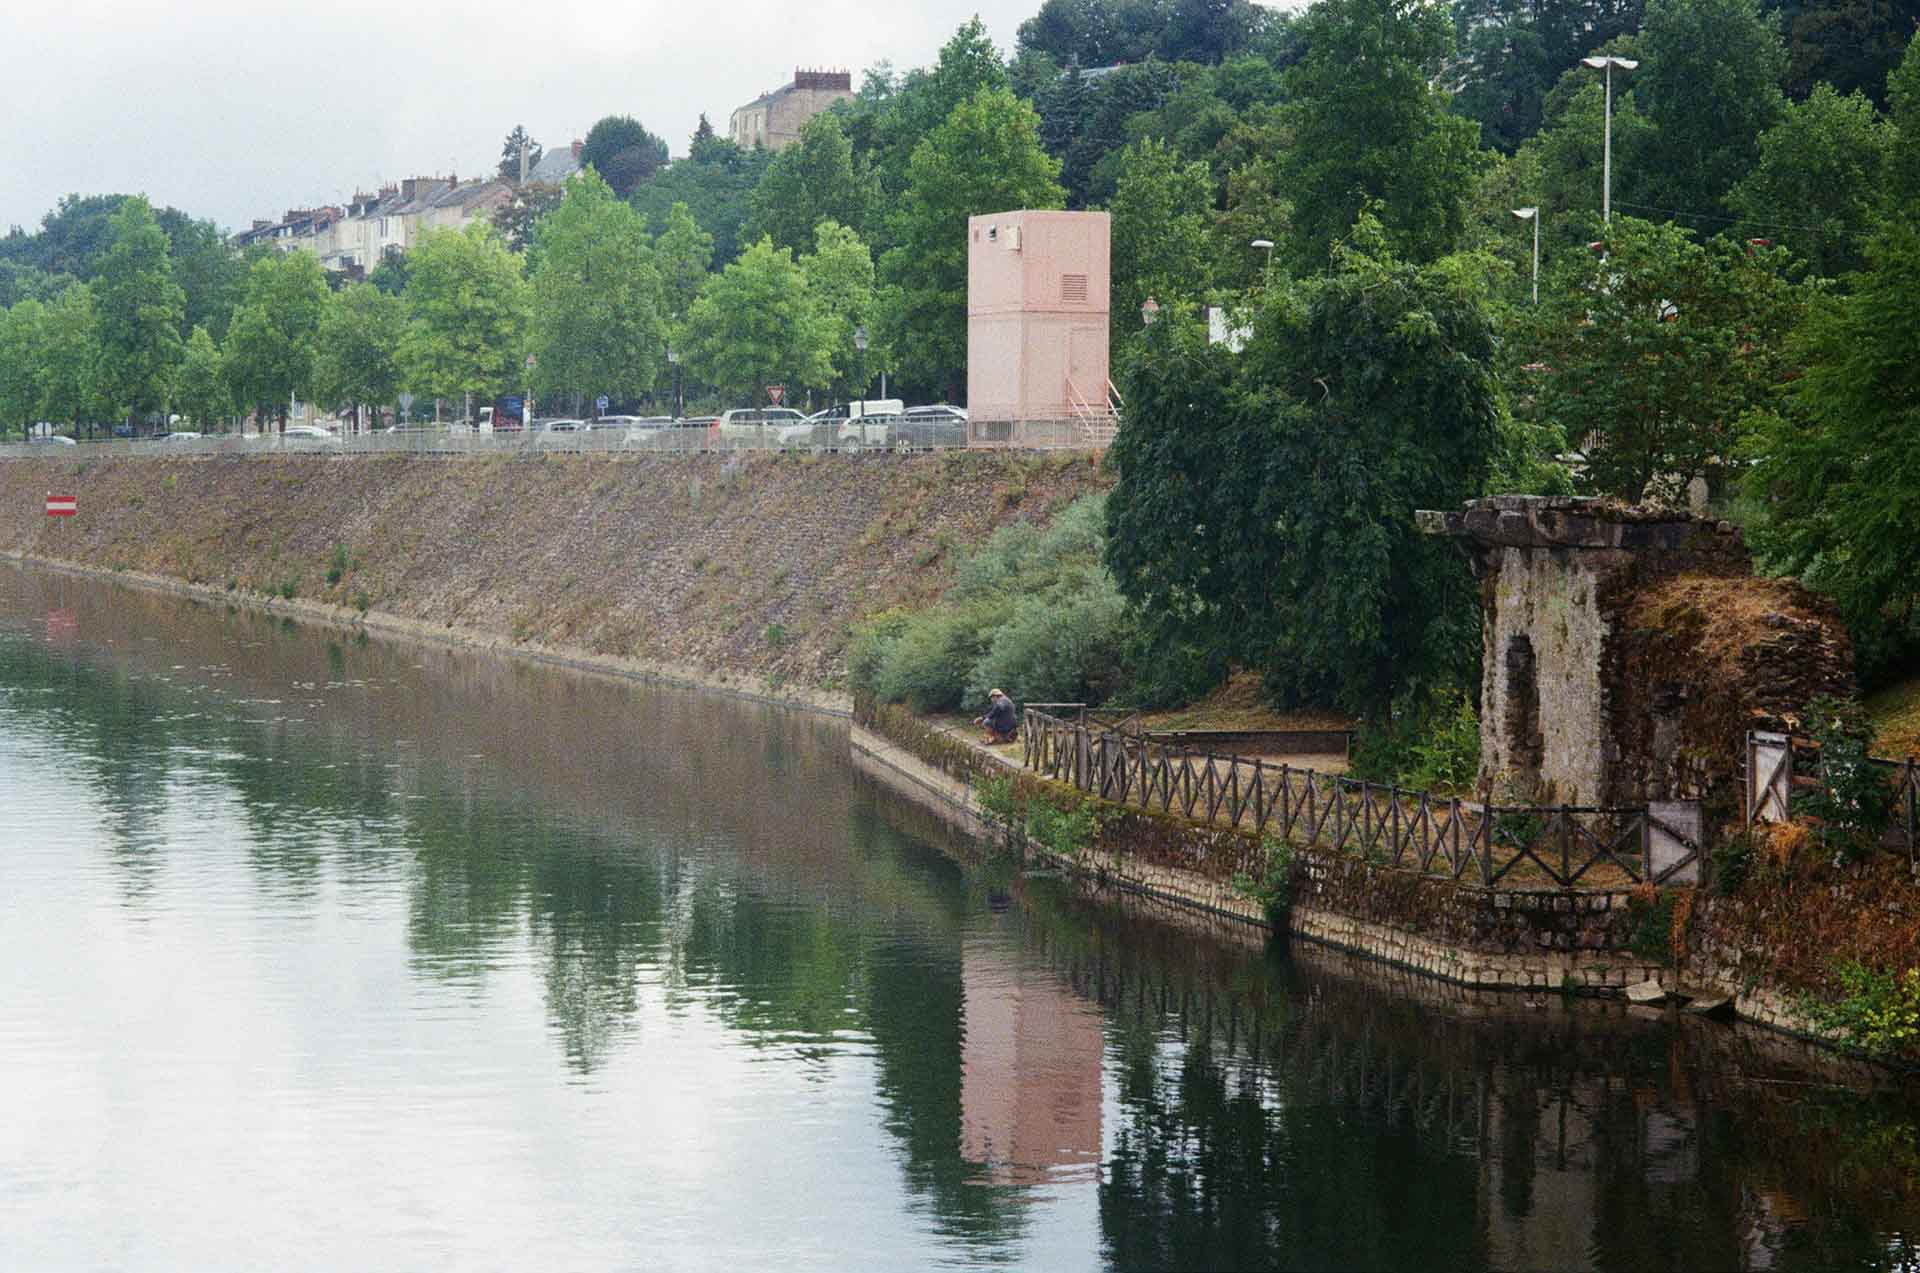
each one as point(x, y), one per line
point(1046, 435)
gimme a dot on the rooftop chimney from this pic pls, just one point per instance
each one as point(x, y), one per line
point(577, 143)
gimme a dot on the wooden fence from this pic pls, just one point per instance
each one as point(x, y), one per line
point(1520, 845)
point(1773, 774)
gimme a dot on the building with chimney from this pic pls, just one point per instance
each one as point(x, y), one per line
point(774, 119)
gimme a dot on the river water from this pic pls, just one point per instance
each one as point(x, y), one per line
point(325, 952)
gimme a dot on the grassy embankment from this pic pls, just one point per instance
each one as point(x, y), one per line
point(751, 568)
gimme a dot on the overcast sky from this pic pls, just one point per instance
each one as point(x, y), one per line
point(234, 111)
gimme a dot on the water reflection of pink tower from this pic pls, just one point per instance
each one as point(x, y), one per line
point(1029, 1069)
point(1037, 301)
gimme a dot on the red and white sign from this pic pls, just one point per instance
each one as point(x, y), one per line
point(63, 505)
point(775, 393)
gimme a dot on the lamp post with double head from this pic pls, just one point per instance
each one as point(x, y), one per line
point(1605, 65)
point(1533, 215)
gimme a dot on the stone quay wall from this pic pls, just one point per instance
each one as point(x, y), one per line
point(1457, 932)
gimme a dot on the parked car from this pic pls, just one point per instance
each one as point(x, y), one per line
point(56, 439)
point(123, 430)
point(308, 434)
point(563, 426)
point(184, 435)
point(756, 424)
point(935, 426)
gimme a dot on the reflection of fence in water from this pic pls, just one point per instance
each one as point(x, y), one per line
point(1566, 845)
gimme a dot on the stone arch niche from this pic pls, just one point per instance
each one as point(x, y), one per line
point(1627, 651)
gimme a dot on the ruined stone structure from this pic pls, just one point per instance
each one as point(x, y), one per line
point(1627, 651)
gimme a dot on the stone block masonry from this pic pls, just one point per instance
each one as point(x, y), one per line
point(1628, 650)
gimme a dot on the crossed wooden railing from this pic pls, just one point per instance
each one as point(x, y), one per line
point(1521, 845)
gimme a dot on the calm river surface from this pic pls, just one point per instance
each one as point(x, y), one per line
point(321, 952)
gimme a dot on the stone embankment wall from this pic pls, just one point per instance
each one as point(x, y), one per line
point(1472, 936)
point(745, 570)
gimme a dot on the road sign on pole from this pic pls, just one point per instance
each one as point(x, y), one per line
point(62, 505)
point(600, 404)
point(775, 393)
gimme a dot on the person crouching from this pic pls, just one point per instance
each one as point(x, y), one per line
point(1002, 719)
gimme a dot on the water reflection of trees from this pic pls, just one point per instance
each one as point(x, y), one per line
point(629, 837)
point(1333, 1115)
point(1269, 1114)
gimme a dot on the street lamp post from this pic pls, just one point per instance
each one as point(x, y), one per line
point(1266, 280)
point(1533, 215)
point(1149, 310)
point(673, 360)
point(1605, 65)
point(860, 343)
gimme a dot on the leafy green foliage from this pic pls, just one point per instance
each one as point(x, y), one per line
point(199, 385)
point(1161, 233)
point(1837, 469)
point(1513, 52)
point(715, 183)
point(683, 253)
point(1821, 170)
point(140, 309)
point(1369, 127)
point(985, 157)
point(518, 153)
point(623, 152)
point(1878, 1011)
point(756, 323)
point(840, 277)
point(271, 344)
point(596, 317)
point(1265, 500)
point(812, 181)
point(467, 315)
point(1032, 612)
point(359, 335)
point(1651, 357)
point(1852, 803)
point(1710, 86)
point(1272, 889)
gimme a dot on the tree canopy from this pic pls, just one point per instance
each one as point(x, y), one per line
point(623, 152)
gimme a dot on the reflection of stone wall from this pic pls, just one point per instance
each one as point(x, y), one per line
point(1627, 650)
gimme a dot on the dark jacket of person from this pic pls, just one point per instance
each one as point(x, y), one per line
point(1002, 716)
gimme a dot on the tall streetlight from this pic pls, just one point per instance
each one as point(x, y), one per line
point(679, 404)
point(1267, 278)
point(1606, 64)
point(860, 343)
point(1533, 215)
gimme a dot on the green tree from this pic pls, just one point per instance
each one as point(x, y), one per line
point(22, 329)
point(356, 357)
point(1650, 356)
point(1903, 112)
point(985, 158)
point(1709, 85)
point(1849, 44)
point(199, 384)
point(683, 253)
point(715, 183)
point(1819, 181)
point(623, 152)
point(208, 270)
point(840, 278)
point(813, 181)
point(271, 342)
point(755, 324)
point(1369, 127)
point(1513, 53)
point(467, 315)
point(140, 308)
point(518, 153)
point(1837, 472)
point(1264, 503)
point(69, 350)
point(597, 323)
point(1162, 241)
point(518, 219)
